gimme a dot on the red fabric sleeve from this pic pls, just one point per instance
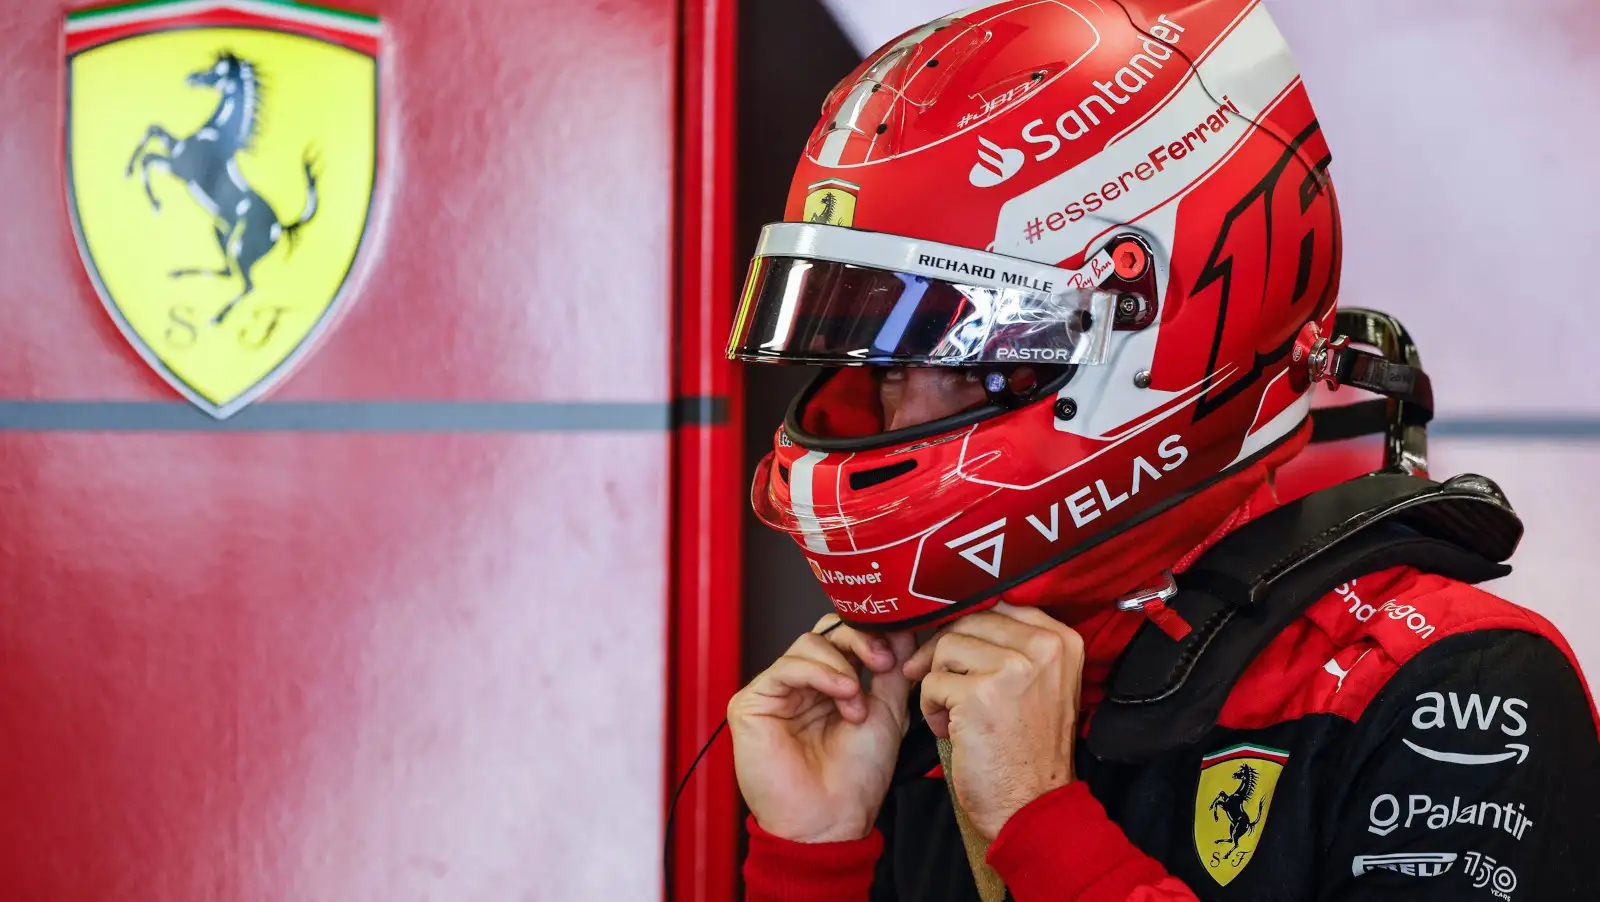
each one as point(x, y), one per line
point(781, 870)
point(1063, 848)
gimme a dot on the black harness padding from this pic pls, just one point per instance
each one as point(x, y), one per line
point(1337, 424)
point(1241, 594)
point(1401, 382)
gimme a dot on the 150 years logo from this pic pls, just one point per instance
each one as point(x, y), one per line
point(220, 162)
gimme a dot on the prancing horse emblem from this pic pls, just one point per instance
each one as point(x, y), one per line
point(265, 114)
point(246, 226)
point(1231, 804)
point(832, 202)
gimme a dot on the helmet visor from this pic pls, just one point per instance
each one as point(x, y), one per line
point(939, 307)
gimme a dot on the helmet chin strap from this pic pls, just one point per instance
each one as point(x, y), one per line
point(1395, 374)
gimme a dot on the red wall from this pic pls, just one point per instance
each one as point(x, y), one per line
point(389, 661)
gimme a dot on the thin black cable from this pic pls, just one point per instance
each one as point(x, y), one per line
point(672, 807)
point(666, 860)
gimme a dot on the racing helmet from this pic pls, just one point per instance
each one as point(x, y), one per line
point(1117, 215)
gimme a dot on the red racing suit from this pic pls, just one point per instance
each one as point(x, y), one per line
point(1408, 737)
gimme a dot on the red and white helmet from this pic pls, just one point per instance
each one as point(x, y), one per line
point(1117, 213)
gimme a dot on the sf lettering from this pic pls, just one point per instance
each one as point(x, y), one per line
point(1235, 858)
point(184, 324)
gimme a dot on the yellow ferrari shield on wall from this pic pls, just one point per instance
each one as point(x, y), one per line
point(1231, 805)
point(221, 157)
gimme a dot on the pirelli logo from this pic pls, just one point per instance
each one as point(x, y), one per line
point(1417, 864)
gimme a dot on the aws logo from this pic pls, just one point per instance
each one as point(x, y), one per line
point(1469, 719)
point(221, 179)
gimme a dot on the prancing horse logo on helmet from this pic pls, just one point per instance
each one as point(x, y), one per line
point(832, 202)
point(221, 161)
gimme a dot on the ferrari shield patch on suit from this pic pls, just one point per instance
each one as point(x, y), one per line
point(1231, 806)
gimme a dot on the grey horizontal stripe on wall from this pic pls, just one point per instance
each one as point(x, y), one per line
point(1541, 429)
point(364, 416)
point(538, 416)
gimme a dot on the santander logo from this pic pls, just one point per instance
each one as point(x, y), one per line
point(995, 164)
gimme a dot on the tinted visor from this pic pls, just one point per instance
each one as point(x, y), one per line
point(805, 310)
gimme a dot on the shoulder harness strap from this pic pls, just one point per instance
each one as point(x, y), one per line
point(1240, 595)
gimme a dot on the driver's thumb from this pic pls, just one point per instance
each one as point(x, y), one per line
point(891, 687)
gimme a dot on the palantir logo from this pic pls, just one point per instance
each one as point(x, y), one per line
point(995, 164)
